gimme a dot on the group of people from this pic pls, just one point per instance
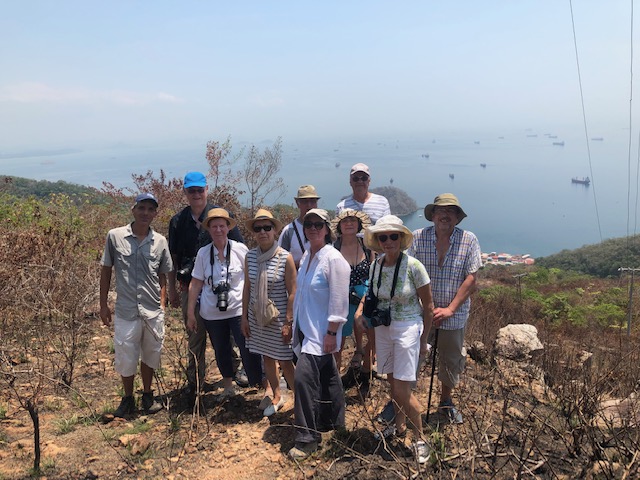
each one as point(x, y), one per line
point(292, 300)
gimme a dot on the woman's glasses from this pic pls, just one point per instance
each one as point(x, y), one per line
point(258, 228)
point(316, 225)
point(383, 238)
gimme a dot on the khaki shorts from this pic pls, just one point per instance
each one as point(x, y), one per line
point(453, 356)
point(134, 340)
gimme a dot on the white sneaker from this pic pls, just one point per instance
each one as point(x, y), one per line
point(229, 392)
point(420, 451)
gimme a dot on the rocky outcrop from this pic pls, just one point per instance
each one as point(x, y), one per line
point(517, 342)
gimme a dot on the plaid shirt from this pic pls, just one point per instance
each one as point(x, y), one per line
point(462, 259)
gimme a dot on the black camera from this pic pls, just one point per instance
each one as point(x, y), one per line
point(222, 290)
point(381, 317)
point(354, 298)
point(184, 273)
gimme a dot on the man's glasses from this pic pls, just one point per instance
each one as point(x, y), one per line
point(316, 225)
point(193, 190)
point(359, 178)
point(258, 228)
point(383, 238)
point(449, 210)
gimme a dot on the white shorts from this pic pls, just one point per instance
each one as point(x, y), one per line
point(134, 340)
point(398, 349)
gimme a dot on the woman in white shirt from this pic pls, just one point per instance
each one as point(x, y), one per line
point(218, 281)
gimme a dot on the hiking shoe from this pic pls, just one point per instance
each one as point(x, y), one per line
point(350, 379)
point(229, 392)
point(241, 378)
point(420, 451)
point(127, 407)
point(388, 432)
point(447, 409)
point(150, 404)
point(302, 450)
point(388, 413)
point(364, 384)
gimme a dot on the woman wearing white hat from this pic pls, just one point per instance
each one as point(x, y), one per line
point(402, 319)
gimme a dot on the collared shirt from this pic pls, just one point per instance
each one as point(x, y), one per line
point(137, 265)
point(377, 206)
point(289, 240)
point(322, 296)
point(462, 259)
point(213, 275)
point(405, 304)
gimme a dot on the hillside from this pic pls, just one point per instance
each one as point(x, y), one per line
point(400, 202)
point(600, 259)
point(25, 187)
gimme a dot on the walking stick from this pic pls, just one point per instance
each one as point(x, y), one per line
point(433, 371)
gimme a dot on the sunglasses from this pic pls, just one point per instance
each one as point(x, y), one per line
point(359, 178)
point(383, 238)
point(266, 228)
point(193, 190)
point(316, 225)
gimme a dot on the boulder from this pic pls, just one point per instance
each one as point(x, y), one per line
point(517, 342)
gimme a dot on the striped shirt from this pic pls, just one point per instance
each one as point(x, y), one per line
point(268, 340)
point(462, 259)
point(377, 206)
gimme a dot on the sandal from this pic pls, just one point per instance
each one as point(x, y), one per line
point(356, 360)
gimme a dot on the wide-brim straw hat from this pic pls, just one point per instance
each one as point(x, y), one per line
point(219, 213)
point(444, 200)
point(264, 214)
point(387, 224)
point(364, 219)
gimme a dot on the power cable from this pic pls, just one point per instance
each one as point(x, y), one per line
point(584, 119)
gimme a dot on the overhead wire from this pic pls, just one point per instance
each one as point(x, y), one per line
point(584, 119)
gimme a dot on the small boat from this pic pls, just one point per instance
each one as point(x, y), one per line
point(483, 165)
point(476, 142)
point(425, 155)
point(559, 144)
point(451, 176)
point(597, 139)
point(337, 164)
point(553, 136)
point(581, 181)
point(532, 136)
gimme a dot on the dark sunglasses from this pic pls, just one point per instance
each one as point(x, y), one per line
point(383, 238)
point(316, 225)
point(359, 178)
point(193, 190)
point(266, 228)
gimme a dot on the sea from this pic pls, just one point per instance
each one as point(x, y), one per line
point(514, 186)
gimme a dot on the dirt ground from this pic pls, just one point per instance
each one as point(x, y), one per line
point(230, 439)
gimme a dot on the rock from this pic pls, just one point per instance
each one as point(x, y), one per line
point(139, 446)
point(127, 439)
point(478, 352)
point(517, 341)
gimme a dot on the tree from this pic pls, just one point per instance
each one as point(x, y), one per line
point(259, 173)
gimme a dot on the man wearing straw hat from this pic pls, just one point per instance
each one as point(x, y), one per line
point(292, 237)
point(452, 259)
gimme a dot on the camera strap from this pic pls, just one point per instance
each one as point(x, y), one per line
point(228, 262)
point(395, 276)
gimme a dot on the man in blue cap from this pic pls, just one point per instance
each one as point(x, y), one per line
point(141, 259)
point(186, 237)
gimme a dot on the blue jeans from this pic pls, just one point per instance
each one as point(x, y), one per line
point(219, 333)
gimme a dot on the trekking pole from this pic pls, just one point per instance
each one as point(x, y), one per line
point(433, 371)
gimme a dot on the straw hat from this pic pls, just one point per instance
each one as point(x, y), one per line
point(219, 213)
point(387, 224)
point(263, 214)
point(306, 191)
point(444, 200)
point(362, 217)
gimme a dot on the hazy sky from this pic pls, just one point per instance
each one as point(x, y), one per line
point(82, 72)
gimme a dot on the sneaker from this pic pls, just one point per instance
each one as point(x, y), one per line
point(272, 409)
point(388, 413)
point(420, 451)
point(388, 432)
point(228, 392)
point(150, 404)
point(302, 450)
point(127, 407)
point(241, 378)
point(447, 409)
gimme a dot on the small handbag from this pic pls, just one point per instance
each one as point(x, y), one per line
point(271, 312)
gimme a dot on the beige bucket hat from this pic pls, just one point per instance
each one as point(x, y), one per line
point(444, 200)
point(387, 224)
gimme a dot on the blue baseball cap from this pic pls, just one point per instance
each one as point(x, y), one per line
point(146, 196)
point(195, 179)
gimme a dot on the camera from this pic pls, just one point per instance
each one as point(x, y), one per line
point(222, 290)
point(184, 273)
point(381, 317)
point(354, 298)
